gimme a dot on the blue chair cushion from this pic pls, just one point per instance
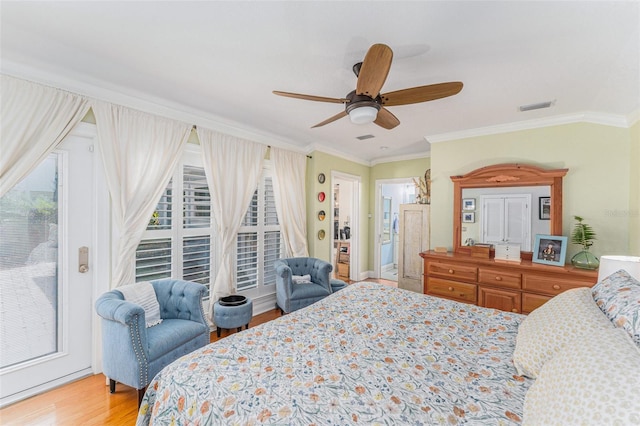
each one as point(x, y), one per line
point(305, 291)
point(173, 334)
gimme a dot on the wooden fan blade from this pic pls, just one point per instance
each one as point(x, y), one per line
point(374, 70)
point(311, 97)
point(386, 120)
point(415, 95)
point(329, 120)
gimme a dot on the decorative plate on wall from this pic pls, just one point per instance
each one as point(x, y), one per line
point(321, 234)
point(321, 196)
point(321, 178)
point(321, 215)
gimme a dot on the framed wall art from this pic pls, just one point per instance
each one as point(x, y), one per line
point(468, 204)
point(544, 208)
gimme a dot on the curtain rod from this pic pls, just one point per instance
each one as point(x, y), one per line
point(268, 146)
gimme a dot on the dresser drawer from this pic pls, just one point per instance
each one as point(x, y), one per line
point(499, 278)
point(453, 271)
point(452, 290)
point(550, 285)
point(533, 301)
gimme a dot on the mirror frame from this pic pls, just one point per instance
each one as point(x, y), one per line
point(508, 175)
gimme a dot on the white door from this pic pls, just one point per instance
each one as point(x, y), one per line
point(492, 220)
point(518, 221)
point(46, 302)
point(506, 219)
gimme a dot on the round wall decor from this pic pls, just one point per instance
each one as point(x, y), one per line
point(321, 215)
point(321, 234)
point(321, 178)
point(321, 196)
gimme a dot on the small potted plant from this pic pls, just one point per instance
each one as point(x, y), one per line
point(583, 235)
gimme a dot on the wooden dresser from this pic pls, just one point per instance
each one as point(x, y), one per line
point(516, 287)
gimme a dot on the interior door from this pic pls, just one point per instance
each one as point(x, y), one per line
point(518, 221)
point(506, 219)
point(46, 294)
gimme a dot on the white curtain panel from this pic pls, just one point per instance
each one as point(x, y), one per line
point(35, 119)
point(140, 153)
point(233, 167)
point(289, 171)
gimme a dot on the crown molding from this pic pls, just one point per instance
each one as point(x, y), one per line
point(315, 147)
point(107, 92)
point(416, 156)
point(582, 117)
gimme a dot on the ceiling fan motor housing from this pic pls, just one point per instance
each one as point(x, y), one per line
point(357, 101)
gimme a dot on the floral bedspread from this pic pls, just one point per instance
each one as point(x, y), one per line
point(368, 354)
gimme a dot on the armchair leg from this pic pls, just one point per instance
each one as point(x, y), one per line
point(218, 331)
point(140, 395)
point(112, 386)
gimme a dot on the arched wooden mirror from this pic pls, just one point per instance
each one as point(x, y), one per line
point(474, 191)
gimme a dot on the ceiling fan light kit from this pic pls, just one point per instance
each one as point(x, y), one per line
point(366, 104)
point(363, 115)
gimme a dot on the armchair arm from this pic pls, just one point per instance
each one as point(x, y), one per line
point(112, 308)
point(323, 273)
point(180, 299)
point(284, 277)
point(124, 340)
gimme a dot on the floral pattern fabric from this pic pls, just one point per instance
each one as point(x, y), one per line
point(369, 354)
point(618, 296)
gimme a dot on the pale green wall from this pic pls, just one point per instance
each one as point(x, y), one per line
point(597, 186)
point(634, 193)
point(393, 170)
point(326, 163)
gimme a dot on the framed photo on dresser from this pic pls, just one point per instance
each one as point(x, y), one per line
point(550, 250)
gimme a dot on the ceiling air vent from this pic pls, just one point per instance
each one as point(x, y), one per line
point(539, 105)
point(363, 137)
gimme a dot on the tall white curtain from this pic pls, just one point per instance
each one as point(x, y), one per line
point(35, 119)
point(140, 152)
point(289, 192)
point(233, 167)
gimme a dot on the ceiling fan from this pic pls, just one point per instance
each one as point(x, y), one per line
point(366, 104)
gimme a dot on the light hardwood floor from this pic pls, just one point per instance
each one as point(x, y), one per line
point(88, 402)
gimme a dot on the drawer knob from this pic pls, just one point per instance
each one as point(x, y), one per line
point(556, 287)
point(450, 288)
point(451, 271)
point(498, 278)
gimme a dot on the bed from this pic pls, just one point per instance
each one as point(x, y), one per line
point(373, 354)
point(365, 355)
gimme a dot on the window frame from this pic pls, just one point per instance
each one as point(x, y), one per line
point(177, 232)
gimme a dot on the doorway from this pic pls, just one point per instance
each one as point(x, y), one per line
point(46, 227)
point(390, 194)
point(345, 213)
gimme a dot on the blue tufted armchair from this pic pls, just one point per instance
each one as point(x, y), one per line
point(133, 354)
point(291, 296)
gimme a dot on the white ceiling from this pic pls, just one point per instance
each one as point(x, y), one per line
point(216, 63)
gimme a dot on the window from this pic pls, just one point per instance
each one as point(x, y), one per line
point(180, 245)
point(258, 243)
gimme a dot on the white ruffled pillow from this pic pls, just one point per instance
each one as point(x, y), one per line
point(552, 326)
